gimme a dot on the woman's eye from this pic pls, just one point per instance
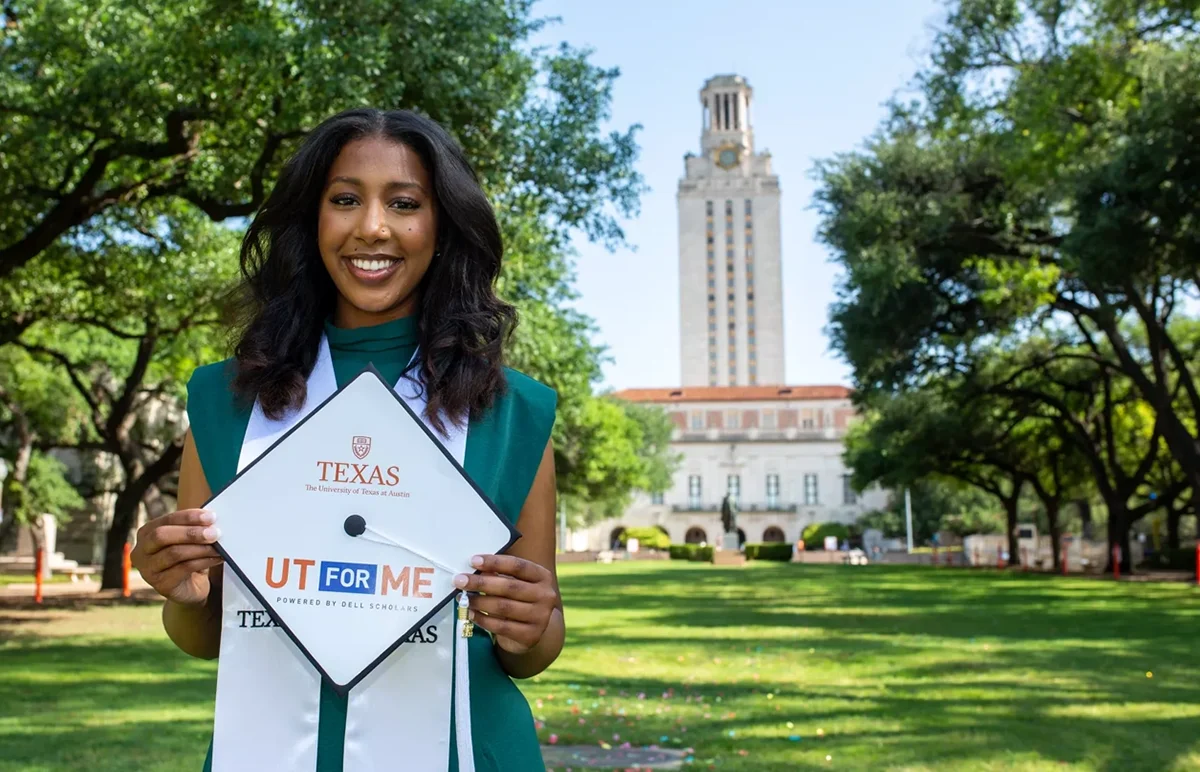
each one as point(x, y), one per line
point(342, 200)
point(405, 203)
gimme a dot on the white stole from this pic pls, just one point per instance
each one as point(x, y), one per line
point(268, 693)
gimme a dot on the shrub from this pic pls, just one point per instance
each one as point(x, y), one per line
point(648, 538)
point(681, 551)
point(769, 551)
point(691, 552)
point(1183, 559)
point(814, 535)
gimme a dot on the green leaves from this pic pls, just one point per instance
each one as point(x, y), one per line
point(1025, 238)
point(136, 139)
point(106, 105)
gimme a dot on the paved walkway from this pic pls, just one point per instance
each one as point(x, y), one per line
point(595, 757)
point(61, 594)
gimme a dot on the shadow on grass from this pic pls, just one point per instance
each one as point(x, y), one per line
point(1060, 650)
point(103, 704)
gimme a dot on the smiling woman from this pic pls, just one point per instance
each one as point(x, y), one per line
point(378, 245)
point(378, 230)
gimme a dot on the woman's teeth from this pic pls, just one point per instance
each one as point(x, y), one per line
point(372, 265)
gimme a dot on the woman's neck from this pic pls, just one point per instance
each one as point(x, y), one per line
point(349, 317)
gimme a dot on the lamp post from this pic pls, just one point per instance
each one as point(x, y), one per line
point(908, 517)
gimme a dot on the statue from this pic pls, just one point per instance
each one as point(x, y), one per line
point(729, 514)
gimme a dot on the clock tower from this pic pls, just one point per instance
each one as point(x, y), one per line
point(730, 272)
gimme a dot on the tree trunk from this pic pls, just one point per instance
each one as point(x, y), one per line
point(12, 494)
point(126, 507)
point(124, 515)
point(1173, 517)
point(1085, 516)
point(1118, 535)
point(1055, 534)
point(1010, 511)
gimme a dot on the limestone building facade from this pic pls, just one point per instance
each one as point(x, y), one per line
point(776, 450)
point(730, 271)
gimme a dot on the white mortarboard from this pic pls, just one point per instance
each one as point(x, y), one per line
point(350, 529)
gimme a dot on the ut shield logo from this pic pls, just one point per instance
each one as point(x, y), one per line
point(361, 446)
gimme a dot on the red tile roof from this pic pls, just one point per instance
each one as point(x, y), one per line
point(734, 394)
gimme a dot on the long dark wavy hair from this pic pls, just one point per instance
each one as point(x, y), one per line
point(287, 295)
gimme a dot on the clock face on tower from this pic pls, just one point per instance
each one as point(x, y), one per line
point(727, 157)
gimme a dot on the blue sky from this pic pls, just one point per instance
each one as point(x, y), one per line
point(821, 73)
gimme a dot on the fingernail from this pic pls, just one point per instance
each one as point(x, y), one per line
point(477, 561)
point(460, 581)
point(212, 533)
point(208, 518)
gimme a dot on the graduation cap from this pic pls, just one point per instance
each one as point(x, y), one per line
point(351, 527)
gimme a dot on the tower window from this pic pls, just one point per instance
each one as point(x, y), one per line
point(729, 209)
point(708, 208)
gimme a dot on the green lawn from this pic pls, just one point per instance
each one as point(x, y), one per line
point(876, 668)
point(6, 579)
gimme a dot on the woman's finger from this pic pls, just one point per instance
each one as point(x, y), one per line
point(167, 535)
point(176, 576)
point(512, 610)
point(525, 570)
point(200, 517)
point(500, 586)
point(168, 557)
point(522, 632)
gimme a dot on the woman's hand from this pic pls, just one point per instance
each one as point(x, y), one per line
point(174, 552)
point(519, 599)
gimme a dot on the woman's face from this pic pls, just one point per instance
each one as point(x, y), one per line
point(377, 230)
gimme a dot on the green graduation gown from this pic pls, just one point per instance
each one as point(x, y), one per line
point(504, 448)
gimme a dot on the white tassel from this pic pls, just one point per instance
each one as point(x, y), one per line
point(462, 686)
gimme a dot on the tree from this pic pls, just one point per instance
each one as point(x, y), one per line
point(34, 400)
point(617, 448)
point(1040, 188)
point(127, 358)
point(207, 118)
point(925, 437)
point(199, 136)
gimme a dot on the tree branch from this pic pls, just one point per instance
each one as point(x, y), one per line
point(72, 369)
point(122, 405)
point(108, 327)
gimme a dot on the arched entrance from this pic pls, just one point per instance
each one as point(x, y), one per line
point(773, 534)
point(616, 538)
point(696, 535)
point(741, 537)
